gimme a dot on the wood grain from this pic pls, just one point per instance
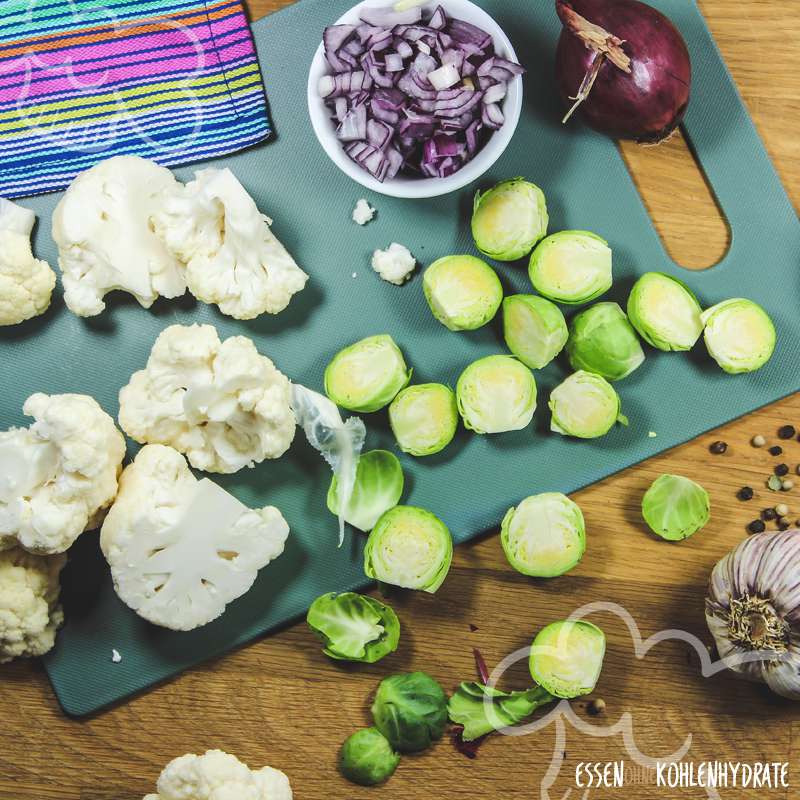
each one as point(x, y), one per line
point(281, 702)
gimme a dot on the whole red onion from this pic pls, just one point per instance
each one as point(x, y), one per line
point(624, 66)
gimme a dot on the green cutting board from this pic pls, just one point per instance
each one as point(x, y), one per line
point(476, 479)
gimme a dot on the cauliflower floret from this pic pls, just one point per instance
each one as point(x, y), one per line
point(222, 404)
point(26, 283)
point(58, 475)
point(363, 212)
point(395, 264)
point(105, 236)
point(30, 613)
point(181, 549)
point(232, 257)
point(219, 776)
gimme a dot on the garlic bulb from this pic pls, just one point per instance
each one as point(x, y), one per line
point(753, 610)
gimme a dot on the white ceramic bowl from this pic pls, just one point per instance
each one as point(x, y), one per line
point(410, 186)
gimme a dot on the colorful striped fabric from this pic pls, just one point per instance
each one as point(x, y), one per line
point(83, 80)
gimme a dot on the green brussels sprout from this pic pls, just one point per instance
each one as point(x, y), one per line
point(410, 710)
point(534, 329)
point(567, 657)
point(544, 536)
point(409, 547)
point(378, 487)
point(603, 341)
point(367, 375)
point(585, 405)
point(571, 267)
point(463, 292)
point(354, 627)
point(424, 418)
point(367, 758)
point(739, 335)
point(665, 312)
point(509, 219)
point(496, 394)
point(675, 507)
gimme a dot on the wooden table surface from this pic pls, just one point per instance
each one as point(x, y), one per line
point(280, 702)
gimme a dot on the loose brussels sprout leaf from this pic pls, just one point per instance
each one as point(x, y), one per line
point(367, 375)
point(675, 507)
point(585, 405)
point(544, 535)
point(603, 341)
point(463, 292)
point(424, 418)
point(496, 394)
point(571, 267)
point(409, 547)
point(665, 312)
point(567, 657)
point(509, 219)
point(410, 710)
point(534, 328)
point(354, 627)
point(378, 487)
point(739, 335)
point(482, 709)
point(367, 758)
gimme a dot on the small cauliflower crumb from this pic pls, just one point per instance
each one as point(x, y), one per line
point(394, 265)
point(652, 434)
point(363, 212)
point(115, 656)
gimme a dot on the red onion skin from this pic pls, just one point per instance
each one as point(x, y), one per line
point(646, 104)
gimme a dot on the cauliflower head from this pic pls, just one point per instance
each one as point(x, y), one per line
point(58, 475)
point(181, 549)
point(30, 613)
point(105, 236)
point(26, 283)
point(221, 403)
point(219, 776)
point(232, 258)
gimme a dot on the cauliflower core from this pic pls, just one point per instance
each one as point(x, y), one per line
point(222, 404)
point(181, 549)
point(57, 475)
point(219, 776)
point(26, 284)
point(232, 258)
point(105, 236)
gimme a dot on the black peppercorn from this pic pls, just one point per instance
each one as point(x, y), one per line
point(775, 451)
point(745, 493)
point(783, 524)
point(718, 448)
point(756, 526)
point(787, 432)
point(768, 514)
point(781, 470)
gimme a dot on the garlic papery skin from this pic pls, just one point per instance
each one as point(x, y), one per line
point(753, 610)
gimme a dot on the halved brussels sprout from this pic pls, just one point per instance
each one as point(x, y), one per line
point(675, 507)
point(509, 219)
point(534, 328)
point(463, 292)
point(665, 312)
point(585, 405)
point(378, 487)
point(544, 536)
point(496, 394)
point(409, 547)
point(367, 758)
point(571, 267)
point(603, 341)
point(567, 658)
point(367, 375)
point(424, 418)
point(739, 335)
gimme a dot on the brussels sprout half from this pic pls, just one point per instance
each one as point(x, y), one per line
point(463, 292)
point(496, 394)
point(534, 329)
point(571, 267)
point(367, 375)
point(509, 219)
point(739, 335)
point(424, 418)
point(675, 507)
point(585, 405)
point(367, 758)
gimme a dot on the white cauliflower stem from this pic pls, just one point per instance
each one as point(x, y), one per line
point(219, 776)
point(222, 404)
point(57, 475)
point(26, 283)
point(233, 259)
point(181, 549)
